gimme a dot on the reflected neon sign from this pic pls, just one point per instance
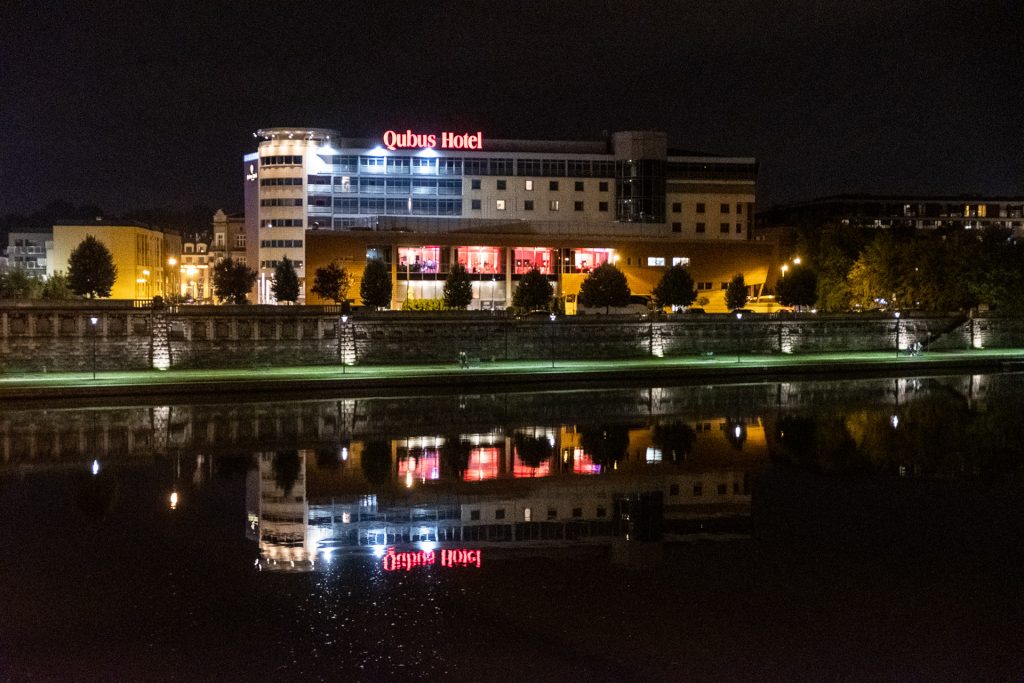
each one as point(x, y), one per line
point(393, 561)
point(394, 139)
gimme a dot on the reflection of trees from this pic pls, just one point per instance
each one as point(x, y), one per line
point(675, 439)
point(821, 443)
point(454, 457)
point(376, 462)
point(533, 451)
point(286, 466)
point(327, 458)
point(605, 444)
point(96, 495)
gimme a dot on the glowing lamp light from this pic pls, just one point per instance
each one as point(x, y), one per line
point(796, 260)
point(174, 500)
point(95, 467)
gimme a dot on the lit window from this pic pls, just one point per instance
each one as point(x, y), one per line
point(655, 261)
point(680, 261)
point(527, 513)
point(553, 205)
point(499, 204)
point(529, 186)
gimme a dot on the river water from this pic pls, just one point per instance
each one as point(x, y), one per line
point(849, 530)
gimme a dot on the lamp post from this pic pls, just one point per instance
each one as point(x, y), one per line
point(343, 330)
point(739, 347)
point(552, 337)
point(171, 279)
point(897, 314)
point(92, 321)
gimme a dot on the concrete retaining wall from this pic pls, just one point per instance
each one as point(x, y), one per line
point(35, 338)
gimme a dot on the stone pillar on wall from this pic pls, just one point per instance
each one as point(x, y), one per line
point(160, 345)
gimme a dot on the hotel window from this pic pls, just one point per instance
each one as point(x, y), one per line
point(475, 204)
point(474, 184)
point(474, 515)
point(553, 185)
point(420, 260)
point(524, 259)
point(725, 208)
point(398, 165)
point(528, 205)
point(739, 209)
point(603, 186)
point(527, 514)
point(552, 513)
point(655, 261)
point(602, 206)
point(529, 186)
point(700, 207)
point(677, 227)
point(578, 186)
point(481, 259)
point(553, 205)
point(677, 207)
point(739, 228)
point(724, 228)
point(501, 184)
point(680, 261)
point(700, 227)
point(499, 204)
point(577, 206)
point(499, 513)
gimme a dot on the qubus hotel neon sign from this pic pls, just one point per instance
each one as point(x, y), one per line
point(394, 561)
point(394, 139)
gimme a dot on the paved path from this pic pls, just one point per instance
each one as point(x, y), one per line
point(523, 374)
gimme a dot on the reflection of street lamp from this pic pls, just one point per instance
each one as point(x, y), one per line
point(552, 317)
point(92, 321)
point(897, 314)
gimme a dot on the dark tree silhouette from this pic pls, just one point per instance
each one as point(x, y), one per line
point(232, 281)
point(91, 269)
point(675, 288)
point(534, 291)
point(286, 281)
point(606, 286)
point(375, 287)
point(458, 290)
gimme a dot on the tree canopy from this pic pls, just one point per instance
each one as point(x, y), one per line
point(534, 291)
point(91, 269)
point(332, 283)
point(736, 293)
point(375, 287)
point(799, 287)
point(285, 286)
point(458, 290)
point(675, 288)
point(605, 286)
point(232, 281)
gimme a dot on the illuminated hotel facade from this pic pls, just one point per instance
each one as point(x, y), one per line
point(422, 201)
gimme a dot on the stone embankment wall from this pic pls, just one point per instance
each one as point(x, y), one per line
point(36, 338)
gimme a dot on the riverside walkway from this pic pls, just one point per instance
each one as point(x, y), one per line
point(508, 375)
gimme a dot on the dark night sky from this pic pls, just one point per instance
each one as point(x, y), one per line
point(142, 104)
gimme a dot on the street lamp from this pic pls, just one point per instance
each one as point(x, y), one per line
point(739, 348)
point(92, 321)
point(552, 336)
point(344, 354)
point(897, 314)
point(172, 283)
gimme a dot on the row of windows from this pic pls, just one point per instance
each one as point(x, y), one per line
point(275, 264)
point(570, 168)
point(529, 205)
point(552, 513)
point(281, 201)
point(701, 228)
point(698, 489)
point(701, 207)
point(282, 223)
point(528, 185)
point(271, 182)
point(282, 160)
point(710, 171)
point(364, 185)
point(281, 244)
point(415, 206)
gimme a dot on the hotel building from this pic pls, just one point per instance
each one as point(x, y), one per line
point(421, 201)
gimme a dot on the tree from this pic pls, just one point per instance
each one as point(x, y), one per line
point(799, 287)
point(458, 290)
point(332, 282)
point(285, 286)
point(232, 281)
point(375, 287)
point(91, 269)
point(534, 291)
point(55, 288)
point(675, 288)
point(736, 294)
point(17, 284)
point(606, 286)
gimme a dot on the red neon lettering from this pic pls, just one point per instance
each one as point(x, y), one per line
point(407, 561)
